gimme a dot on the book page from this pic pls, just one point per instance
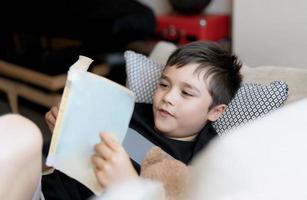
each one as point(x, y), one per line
point(90, 104)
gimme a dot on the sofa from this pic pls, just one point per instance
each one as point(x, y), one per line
point(262, 159)
point(21, 158)
point(295, 78)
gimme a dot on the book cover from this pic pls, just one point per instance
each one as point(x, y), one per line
point(90, 104)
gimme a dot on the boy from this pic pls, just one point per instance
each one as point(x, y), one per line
point(197, 83)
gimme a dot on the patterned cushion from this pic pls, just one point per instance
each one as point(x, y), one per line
point(251, 101)
point(142, 75)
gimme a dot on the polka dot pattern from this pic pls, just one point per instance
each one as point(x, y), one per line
point(142, 75)
point(250, 102)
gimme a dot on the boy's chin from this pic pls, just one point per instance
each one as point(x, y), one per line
point(162, 128)
point(166, 132)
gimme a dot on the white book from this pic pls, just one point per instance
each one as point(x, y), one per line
point(90, 104)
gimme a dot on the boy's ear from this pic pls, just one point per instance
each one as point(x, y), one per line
point(216, 112)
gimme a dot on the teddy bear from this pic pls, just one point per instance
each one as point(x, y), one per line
point(173, 174)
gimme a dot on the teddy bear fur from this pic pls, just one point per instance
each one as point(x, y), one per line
point(172, 173)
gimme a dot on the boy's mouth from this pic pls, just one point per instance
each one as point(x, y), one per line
point(165, 113)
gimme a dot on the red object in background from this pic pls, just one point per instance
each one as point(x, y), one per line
point(182, 28)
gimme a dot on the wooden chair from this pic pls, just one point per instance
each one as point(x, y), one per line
point(17, 81)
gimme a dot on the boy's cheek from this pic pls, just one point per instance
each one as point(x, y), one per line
point(156, 96)
point(154, 99)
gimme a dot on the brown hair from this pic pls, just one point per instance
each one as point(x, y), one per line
point(223, 68)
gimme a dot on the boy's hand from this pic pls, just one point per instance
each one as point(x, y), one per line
point(112, 163)
point(50, 117)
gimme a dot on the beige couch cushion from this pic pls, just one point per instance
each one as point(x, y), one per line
point(296, 78)
point(20, 160)
point(263, 160)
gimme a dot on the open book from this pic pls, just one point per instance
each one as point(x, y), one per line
point(90, 104)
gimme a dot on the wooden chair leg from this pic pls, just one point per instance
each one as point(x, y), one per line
point(13, 101)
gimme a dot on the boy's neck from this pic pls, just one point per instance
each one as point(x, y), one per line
point(188, 138)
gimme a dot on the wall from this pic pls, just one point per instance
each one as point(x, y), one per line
point(270, 32)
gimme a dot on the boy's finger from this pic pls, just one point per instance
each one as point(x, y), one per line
point(49, 118)
point(101, 177)
point(109, 141)
point(98, 162)
point(54, 111)
point(103, 151)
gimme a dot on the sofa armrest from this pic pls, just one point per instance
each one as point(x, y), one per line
point(21, 157)
point(296, 78)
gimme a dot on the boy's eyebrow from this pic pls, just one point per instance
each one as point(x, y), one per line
point(185, 84)
point(191, 87)
point(164, 77)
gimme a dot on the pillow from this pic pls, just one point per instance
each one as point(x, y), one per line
point(143, 75)
point(250, 102)
point(296, 78)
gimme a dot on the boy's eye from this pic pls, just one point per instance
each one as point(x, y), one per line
point(187, 94)
point(164, 85)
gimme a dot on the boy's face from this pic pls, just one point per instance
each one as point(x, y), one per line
point(181, 102)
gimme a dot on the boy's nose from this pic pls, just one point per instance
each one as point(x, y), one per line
point(170, 97)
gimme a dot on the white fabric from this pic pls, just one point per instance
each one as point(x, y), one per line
point(263, 160)
point(20, 158)
point(138, 189)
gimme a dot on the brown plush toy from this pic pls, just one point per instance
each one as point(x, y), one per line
point(160, 166)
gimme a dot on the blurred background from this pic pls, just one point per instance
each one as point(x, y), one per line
point(40, 39)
